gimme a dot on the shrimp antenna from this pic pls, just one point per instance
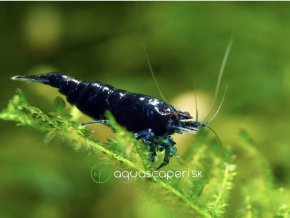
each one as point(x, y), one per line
point(152, 73)
point(147, 57)
point(195, 97)
point(216, 135)
point(229, 46)
point(219, 107)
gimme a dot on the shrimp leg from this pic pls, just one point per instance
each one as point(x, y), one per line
point(145, 134)
point(106, 122)
point(169, 148)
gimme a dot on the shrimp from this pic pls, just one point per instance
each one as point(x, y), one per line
point(153, 121)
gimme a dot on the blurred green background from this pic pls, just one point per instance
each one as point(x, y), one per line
point(102, 41)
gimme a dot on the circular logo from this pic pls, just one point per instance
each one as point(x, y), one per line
point(100, 174)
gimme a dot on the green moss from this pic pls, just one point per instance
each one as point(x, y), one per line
point(209, 196)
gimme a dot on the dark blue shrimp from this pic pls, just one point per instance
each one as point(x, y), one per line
point(152, 120)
